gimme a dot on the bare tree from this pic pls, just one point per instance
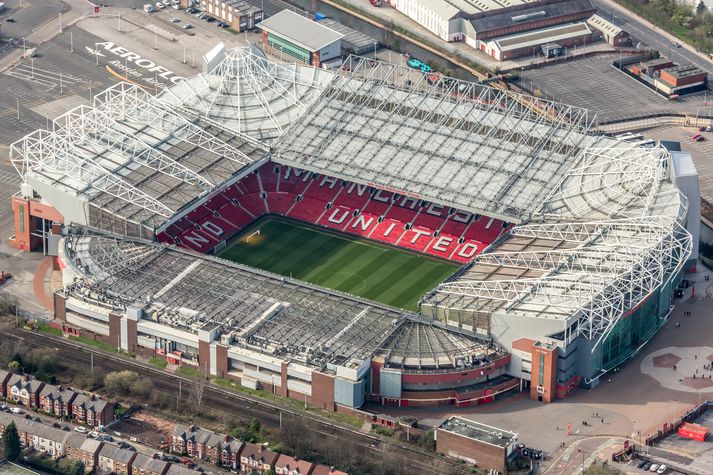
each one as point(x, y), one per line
point(295, 435)
point(198, 389)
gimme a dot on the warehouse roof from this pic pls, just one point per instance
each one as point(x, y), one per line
point(545, 35)
point(476, 431)
point(299, 30)
point(603, 25)
point(537, 12)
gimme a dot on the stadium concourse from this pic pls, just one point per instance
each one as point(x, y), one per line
point(572, 243)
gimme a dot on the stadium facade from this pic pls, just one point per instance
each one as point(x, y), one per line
point(572, 242)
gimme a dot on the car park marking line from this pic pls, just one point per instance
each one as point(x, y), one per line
point(31, 78)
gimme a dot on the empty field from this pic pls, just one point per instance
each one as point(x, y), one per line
point(359, 267)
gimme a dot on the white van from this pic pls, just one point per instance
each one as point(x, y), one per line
point(148, 8)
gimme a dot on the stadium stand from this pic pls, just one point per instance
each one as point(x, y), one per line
point(379, 215)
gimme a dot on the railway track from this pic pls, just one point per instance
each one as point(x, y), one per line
point(240, 406)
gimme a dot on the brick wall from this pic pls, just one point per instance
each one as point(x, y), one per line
point(486, 456)
point(323, 391)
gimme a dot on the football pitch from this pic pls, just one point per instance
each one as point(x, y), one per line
point(341, 262)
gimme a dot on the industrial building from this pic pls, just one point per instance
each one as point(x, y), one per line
point(512, 29)
point(292, 35)
point(236, 13)
point(487, 447)
point(594, 232)
point(666, 77)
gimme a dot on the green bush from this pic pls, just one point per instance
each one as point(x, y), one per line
point(160, 363)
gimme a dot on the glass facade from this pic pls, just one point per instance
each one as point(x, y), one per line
point(289, 49)
point(631, 332)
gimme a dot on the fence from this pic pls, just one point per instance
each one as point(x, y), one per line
point(32, 317)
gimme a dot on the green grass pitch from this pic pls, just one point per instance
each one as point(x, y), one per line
point(356, 266)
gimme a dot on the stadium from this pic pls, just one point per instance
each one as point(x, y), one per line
point(355, 235)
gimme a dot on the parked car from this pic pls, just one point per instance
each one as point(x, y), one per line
point(3, 407)
point(662, 469)
point(647, 466)
point(81, 430)
point(94, 434)
point(700, 138)
point(16, 410)
point(175, 20)
point(702, 128)
point(709, 129)
point(176, 7)
point(187, 26)
point(654, 467)
point(641, 464)
point(166, 3)
point(159, 5)
point(10, 20)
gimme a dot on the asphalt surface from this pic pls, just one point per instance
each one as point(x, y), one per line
point(239, 406)
point(652, 38)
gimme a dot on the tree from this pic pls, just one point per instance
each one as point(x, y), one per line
point(295, 436)
point(71, 467)
point(14, 366)
point(701, 8)
point(11, 442)
point(198, 388)
point(254, 428)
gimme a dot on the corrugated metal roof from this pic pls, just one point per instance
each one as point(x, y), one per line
point(299, 30)
point(552, 10)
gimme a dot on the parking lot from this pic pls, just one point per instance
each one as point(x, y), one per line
point(93, 54)
point(702, 152)
point(594, 84)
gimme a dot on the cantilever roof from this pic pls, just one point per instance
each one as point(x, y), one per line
point(301, 31)
point(273, 314)
point(463, 145)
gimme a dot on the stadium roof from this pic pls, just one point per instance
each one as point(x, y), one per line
point(604, 216)
point(605, 240)
point(265, 312)
point(463, 145)
point(132, 158)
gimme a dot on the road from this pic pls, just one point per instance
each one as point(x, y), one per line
point(239, 406)
point(654, 38)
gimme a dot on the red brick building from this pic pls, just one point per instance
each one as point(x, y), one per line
point(487, 447)
point(57, 400)
point(257, 457)
point(92, 411)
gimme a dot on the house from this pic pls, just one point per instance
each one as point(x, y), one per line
point(287, 465)
point(86, 450)
point(92, 411)
point(37, 435)
point(324, 470)
point(24, 390)
point(4, 377)
point(179, 469)
point(257, 457)
point(145, 465)
point(57, 400)
point(114, 459)
point(178, 438)
point(230, 453)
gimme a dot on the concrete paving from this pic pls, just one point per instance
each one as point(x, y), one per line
point(594, 84)
point(633, 405)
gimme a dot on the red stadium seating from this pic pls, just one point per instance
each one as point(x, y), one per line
point(435, 230)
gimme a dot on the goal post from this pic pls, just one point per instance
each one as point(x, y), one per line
point(256, 233)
